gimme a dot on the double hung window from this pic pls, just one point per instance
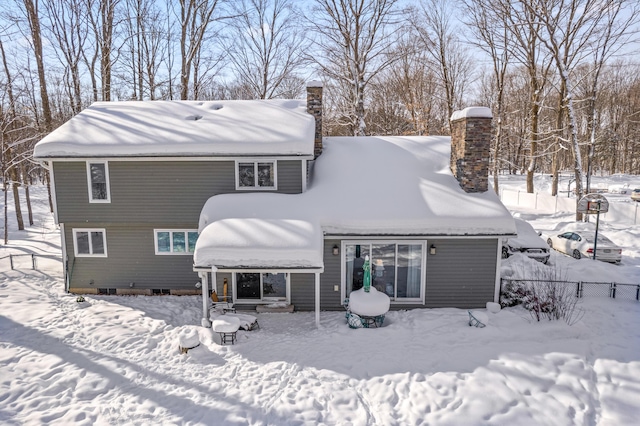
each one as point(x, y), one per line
point(90, 242)
point(175, 241)
point(98, 182)
point(397, 268)
point(256, 175)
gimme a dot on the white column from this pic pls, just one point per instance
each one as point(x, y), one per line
point(317, 300)
point(205, 299)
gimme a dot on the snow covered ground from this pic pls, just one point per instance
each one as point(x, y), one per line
point(115, 360)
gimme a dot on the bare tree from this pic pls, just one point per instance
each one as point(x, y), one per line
point(33, 19)
point(68, 25)
point(101, 14)
point(353, 39)
point(494, 37)
point(570, 30)
point(266, 46)
point(439, 37)
point(196, 16)
point(617, 24)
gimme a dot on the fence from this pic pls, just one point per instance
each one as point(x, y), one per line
point(624, 213)
point(26, 260)
point(585, 288)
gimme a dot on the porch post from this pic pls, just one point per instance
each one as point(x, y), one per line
point(205, 299)
point(317, 300)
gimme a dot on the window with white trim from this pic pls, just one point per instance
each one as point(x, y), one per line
point(175, 241)
point(98, 181)
point(259, 287)
point(397, 268)
point(256, 175)
point(90, 242)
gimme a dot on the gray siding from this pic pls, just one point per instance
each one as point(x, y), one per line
point(303, 285)
point(290, 176)
point(462, 274)
point(154, 191)
point(131, 258)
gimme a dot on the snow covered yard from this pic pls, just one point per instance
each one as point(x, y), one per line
point(115, 359)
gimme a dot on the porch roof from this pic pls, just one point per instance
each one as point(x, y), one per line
point(260, 243)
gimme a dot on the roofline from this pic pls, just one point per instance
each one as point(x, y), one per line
point(257, 268)
point(414, 236)
point(214, 157)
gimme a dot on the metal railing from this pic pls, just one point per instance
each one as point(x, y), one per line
point(15, 261)
point(585, 288)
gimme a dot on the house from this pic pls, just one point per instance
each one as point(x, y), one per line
point(181, 197)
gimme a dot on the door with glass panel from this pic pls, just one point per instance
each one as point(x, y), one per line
point(265, 286)
point(396, 268)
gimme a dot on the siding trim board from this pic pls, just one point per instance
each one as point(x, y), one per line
point(413, 237)
point(190, 158)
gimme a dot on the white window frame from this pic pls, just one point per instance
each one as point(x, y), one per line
point(89, 182)
point(423, 272)
point(255, 186)
point(89, 231)
point(171, 252)
point(262, 300)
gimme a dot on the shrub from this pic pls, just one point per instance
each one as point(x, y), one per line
point(545, 297)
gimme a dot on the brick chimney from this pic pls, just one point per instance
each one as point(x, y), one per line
point(470, 144)
point(314, 107)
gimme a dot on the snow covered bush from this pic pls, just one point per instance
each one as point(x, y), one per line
point(545, 296)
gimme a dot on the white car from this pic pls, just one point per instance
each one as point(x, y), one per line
point(580, 244)
point(528, 242)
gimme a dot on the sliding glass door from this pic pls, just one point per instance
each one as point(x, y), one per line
point(396, 268)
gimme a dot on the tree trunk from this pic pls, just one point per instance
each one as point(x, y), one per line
point(25, 180)
point(16, 199)
point(6, 213)
point(533, 131)
point(557, 154)
point(48, 182)
point(34, 24)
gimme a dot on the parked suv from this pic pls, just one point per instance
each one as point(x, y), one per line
point(635, 194)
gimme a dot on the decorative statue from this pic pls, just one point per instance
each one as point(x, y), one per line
point(367, 274)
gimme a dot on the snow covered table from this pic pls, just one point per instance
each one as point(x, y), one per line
point(370, 308)
point(226, 326)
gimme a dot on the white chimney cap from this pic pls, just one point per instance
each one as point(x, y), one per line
point(314, 83)
point(472, 112)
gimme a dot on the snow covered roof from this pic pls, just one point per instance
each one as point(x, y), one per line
point(366, 186)
point(475, 112)
point(183, 128)
point(260, 243)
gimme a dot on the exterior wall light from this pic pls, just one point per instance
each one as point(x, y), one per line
point(336, 250)
point(432, 249)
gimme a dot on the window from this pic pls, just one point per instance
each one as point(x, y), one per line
point(90, 242)
point(98, 182)
point(396, 268)
point(255, 175)
point(178, 241)
point(262, 287)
